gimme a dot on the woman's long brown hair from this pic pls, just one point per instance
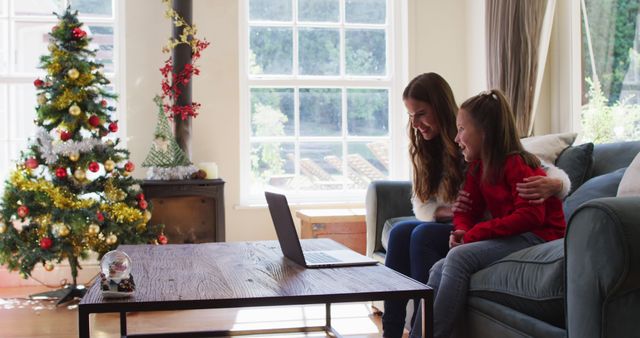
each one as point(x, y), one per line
point(491, 113)
point(437, 163)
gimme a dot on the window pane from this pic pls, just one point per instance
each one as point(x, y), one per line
point(367, 165)
point(93, 7)
point(37, 7)
point(319, 51)
point(271, 164)
point(368, 112)
point(611, 83)
point(4, 47)
point(271, 50)
point(365, 11)
point(103, 42)
point(320, 112)
point(318, 166)
point(22, 109)
point(319, 10)
point(272, 112)
point(365, 52)
point(3, 7)
point(270, 10)
point(31, 40)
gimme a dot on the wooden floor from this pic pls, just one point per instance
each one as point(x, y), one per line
point(21, 317)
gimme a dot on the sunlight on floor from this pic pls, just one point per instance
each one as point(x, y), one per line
point(347, 319)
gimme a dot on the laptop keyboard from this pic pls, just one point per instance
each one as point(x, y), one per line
point(319, 257)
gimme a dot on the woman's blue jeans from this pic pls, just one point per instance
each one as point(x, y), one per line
point(414, 246)
point(450, 276)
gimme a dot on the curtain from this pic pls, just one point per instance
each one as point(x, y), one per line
point(517, 40)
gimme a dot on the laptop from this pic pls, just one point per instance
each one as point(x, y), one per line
point(290, 243)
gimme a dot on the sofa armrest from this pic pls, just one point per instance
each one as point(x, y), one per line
point(602, 254)
point(385, 200)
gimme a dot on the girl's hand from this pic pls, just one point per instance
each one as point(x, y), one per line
point(456, 238)
point(536, 189)
point(462, 203)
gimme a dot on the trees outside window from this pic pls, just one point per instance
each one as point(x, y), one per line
point(611, 70)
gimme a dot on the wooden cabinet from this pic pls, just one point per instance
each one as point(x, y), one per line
point(346, 226)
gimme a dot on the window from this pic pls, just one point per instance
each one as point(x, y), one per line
point(319, 79)
point(24, 28)
point(610, 70)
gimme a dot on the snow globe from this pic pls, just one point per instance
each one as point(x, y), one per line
point(116, 280)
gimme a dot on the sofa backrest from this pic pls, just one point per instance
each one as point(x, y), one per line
point(608, 157)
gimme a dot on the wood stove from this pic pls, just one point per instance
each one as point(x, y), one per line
point(191, 210)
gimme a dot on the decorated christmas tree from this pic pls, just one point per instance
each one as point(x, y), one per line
point(166, 160)
point(72, 191)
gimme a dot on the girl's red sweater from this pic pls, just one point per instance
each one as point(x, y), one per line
point(510, 214)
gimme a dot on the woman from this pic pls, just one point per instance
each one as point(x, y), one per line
point(438, 167)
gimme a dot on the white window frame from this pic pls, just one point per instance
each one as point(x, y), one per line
point(396, 78)
point(12, 77)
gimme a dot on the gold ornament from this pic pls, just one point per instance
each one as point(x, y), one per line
point(3, 228)
point(79, 174)
point(112, 239)
point(94, 229)
point(73, 73)
point(109, 143)
point(126, 173)
point(48, 266)
point(147, 216)
point(23, 275)
point(74, 156)
point(109, 165)
point(64, 231)
point(42, 99)
point(75, 110)
point(52, 47)
point(141, 227)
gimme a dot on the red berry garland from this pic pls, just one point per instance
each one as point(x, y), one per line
point(143, 204)
point(140, 196)
point(78, 33)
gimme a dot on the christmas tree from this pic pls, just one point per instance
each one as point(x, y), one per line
point(165, 159)
point(72, 192)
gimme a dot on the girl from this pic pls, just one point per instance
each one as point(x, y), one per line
point(438, 166)
point(497, 161)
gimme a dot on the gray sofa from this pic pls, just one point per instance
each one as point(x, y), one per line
point(585, 285)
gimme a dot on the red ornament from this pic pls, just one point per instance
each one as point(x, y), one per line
point(31, 163)
point(65, 135)
point(99, 216)
point(45, 243)
point(23, 211)
point(78, 33)
point(103, 103)
point(162, 239)
point(38, 83)
point(143, 204)
point(94, 167)
point(129, 166)
point(113, 127)
point(140, 196)
point(61, 173)
point(94, 121)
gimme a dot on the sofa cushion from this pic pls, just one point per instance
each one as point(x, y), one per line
point(577, 162)
point(388, 225)
point(530, 281)
point(548, 147)
point(630, 183)
point(599, 186)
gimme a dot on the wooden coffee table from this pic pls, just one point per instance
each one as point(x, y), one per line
point(245, 274)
